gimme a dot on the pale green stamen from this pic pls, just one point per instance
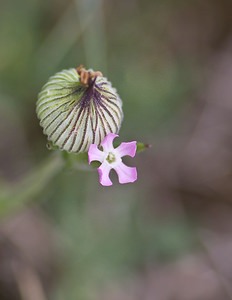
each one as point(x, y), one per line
point(111, 158)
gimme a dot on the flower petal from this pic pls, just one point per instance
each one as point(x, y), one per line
point(126, 174)
point(103, 172)
point(126, 149)
point(95, 154)
point(107, 143)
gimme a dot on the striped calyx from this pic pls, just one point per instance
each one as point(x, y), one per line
point(75, 115)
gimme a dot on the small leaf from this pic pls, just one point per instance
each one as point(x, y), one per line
point(141, 147)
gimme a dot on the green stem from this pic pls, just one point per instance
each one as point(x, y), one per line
point(13, 198)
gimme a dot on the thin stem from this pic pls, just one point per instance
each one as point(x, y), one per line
point(13, 198)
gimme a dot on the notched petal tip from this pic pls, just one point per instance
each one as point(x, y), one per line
point(107, 143)
point(126, 174)
point(94, 154)
point(127, 149)
point(103, 172)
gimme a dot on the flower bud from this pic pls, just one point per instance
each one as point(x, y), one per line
point(78, 108)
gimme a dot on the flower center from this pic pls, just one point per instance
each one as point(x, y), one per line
point(111, 158)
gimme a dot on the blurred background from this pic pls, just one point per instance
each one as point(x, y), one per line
point(169, 235)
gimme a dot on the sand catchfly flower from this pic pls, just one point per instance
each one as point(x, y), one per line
point(111, 158)
point(77, 108)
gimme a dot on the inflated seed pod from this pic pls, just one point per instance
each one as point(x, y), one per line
point(77, 108)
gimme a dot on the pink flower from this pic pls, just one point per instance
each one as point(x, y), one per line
point(111, 158)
